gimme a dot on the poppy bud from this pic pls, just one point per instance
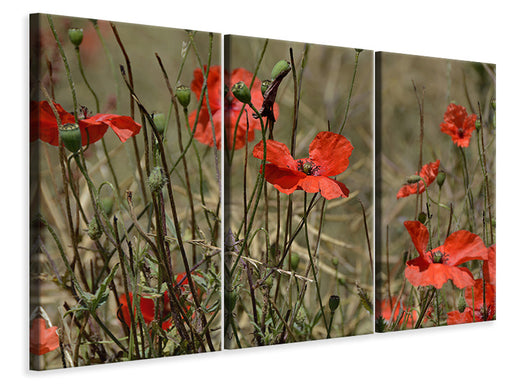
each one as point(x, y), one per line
point(159, 120)
point(422, 217)
point(335, 262)
point(183, 95)
point(76, 35)
point(334, 302)
point(441, 176)
point(478, 124)
point(461, 304)
point(294, 261)
point(241, 92)
point(281, 66)
point(71, 137)
point(156, 180)
point(107, 204)
point(264, 86)
point(493, 104)
point(413, 179)
point(380, 324)
point(94, 230)
point(359, 50)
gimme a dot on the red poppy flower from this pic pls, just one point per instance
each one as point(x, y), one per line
point(437, 266)
point(458, 124)
point(428, 173)
point(476, 296)
point(383, 308)
point(489, 267)
point(328, 156)
point(147, 305)
point(42, 339)
point(43, 124)
point(232, 108)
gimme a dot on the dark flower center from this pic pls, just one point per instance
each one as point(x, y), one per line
point(308, 167)
point(437, 257)
point(460, 132)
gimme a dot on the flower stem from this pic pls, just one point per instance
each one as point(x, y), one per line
point(356, 61)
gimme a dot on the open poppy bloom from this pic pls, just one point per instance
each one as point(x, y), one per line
point(437, 266)
point(147, 305)
point(43, 124)
point(328, 156)
point(232, 108)
point(42, 339)
point(428, 173)
point(479, 311)
point(458, 124)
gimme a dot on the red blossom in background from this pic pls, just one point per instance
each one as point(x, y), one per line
point(328, 156)
point(437, 266)
point(43, 124)
point(489, 267)
point(384, 307)
point(147, 305)
point(458, 124)
point(232, 108)
point(480, 312)
point(428, 173)
point(42, 339)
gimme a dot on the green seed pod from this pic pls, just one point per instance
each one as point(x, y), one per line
point(71, 137)
point(478, 124)
point(107, 204)
point(422, 217)
point(241, 92)
point(281, 66)
point(294, 261)
point(461, 303)
point(156, 180)
point(76, 35)
point(264, 86)
point(94, 230)
point(159, 120)
point(359, 50)
point(183, 95)
point(334, 302)
point(441, 176)
point(413, 179)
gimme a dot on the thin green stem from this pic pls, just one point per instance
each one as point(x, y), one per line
point(356, 61)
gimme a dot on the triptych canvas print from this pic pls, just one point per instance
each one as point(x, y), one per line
point(193, 192)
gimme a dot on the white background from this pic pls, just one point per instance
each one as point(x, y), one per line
point(467, 30)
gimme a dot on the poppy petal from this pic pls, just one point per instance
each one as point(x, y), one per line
point(489, 268)
point(328, 188)
point(277, 154)
point(436, 274)
point(285, 180)
point(330, 152)
point(419, 235)
point(213, 85)
point(42, 339)
point(43, 124)
point(462, 246)
point(123, 126)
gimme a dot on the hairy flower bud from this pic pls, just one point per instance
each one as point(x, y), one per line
point(76, 35)
point(94, 230)
point(159, 120)
point(71, 137)
point(156, 180)
point(241, 92)
point(294, 261)
point(441, 176)
point(183, 95)
point(281, 66)
point(264, 86)
point(422, 217)
point(461, 303)
point(334, 302)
